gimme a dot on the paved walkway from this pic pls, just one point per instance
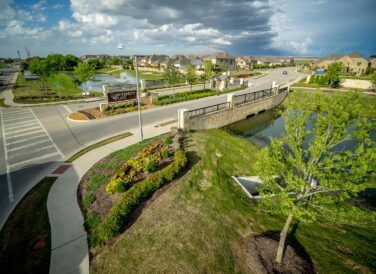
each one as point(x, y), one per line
point(69, 249)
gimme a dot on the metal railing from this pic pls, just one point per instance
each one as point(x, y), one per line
point(252, 96)
point(208, 109)
point(283, 89)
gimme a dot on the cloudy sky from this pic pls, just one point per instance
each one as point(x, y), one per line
point(270, 27)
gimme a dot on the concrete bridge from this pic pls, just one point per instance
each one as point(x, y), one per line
point(236, 108)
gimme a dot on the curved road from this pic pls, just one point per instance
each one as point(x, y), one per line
point(34, 139)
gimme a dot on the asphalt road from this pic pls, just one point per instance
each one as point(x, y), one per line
point(34, 139)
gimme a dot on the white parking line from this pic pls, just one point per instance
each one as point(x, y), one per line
point(10, 113)
point(25, 125)
point(17, 118)
point(10, 125)
point(27, 139)
point(9, 179)
point(13, 115)
point(28, 145)
point(56, 147)
point(67, 108)
point(21, 130)
point(45, 156)
point(24, 134)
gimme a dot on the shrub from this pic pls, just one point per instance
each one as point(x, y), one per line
point(92, 220)
point(115, 220)
point(150, 166)
point(165, 153)
point(88, 200)
point(168, 140)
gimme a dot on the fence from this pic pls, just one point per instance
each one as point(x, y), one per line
point(252, 96)
point(208, 109)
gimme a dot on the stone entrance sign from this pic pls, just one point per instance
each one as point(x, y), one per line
point(120, 96)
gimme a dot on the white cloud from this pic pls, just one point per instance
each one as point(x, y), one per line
point(221, 41)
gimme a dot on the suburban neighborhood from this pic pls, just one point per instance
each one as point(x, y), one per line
point(187, 137)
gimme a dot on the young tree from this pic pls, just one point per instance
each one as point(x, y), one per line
point(171, 75)
point(128, 63)
point(373, 80)
point(314, 173)
point(191, 75)
point(83, 72)
point(333, 72)
point(42, 68)
point(56, 62)
point(208, 72)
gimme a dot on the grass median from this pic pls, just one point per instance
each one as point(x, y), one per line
point(25, 240)
point(99, 144)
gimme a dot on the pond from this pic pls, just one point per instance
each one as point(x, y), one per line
point(259, 128)
point(95, 84)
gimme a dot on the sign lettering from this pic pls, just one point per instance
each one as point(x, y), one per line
point(121, 96)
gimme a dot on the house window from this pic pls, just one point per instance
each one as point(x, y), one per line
point(359, 63)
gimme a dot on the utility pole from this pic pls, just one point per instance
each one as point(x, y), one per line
point(19, 56)
point(138, 101)
point(27, 52)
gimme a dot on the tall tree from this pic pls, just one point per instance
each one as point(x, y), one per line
point(42, 68)
point(128, 63)
point(96, 63)
point(70, 62)
point(171, 75)
point(56, 62)
point(83, 72)
point(312, 173)
point(208, 71)
point(333, 72)
point(191, 76)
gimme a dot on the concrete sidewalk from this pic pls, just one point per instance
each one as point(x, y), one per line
point(69, 248)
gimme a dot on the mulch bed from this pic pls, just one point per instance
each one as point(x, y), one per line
point(261, 251)
point(93, 113)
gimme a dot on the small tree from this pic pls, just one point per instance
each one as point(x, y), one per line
point(333, 72)
point(128, 63)
point(96, 63)
point(308, 174)
point(191, 75)
point(83, 72)
point(171, 75)
point(70, 62)
point(208, 72)
point(42, 68)
point(373, 80)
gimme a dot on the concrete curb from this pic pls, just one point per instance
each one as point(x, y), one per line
point(69, 248)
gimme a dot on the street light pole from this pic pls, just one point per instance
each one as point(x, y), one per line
point(138, 101)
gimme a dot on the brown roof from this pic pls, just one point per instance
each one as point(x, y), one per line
point(220, 55)
point(355, 54)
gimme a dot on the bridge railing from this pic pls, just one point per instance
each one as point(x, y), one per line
point(252, 96)
point(208, 109)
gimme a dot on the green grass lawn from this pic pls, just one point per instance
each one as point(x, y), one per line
point(25, 240)
point(2, 103)
point(31, 92)
point(198, 225)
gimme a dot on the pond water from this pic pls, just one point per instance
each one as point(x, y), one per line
point(259, 128)
point(95, 84)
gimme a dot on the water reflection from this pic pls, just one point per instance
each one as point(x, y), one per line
point(258, 128)
point(95, 84)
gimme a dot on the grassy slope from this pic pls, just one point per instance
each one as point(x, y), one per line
point(198, 224)
point(28, 223)
point(2, 103)
point(32, 88)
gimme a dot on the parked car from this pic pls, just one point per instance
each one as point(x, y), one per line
point(284, 72)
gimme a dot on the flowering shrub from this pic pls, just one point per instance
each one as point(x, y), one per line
point(146, 160)
point(118, 215)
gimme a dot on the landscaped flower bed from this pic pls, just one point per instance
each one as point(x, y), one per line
point(107, 201)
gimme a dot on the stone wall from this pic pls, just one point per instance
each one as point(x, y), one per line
point(230, 115)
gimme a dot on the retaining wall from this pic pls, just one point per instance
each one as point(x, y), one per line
point(228, 116)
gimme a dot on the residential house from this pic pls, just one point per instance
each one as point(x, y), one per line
point(222, 60)
point(244, 62)
point(323, 63)
point(354, 63)
point(373, 64)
